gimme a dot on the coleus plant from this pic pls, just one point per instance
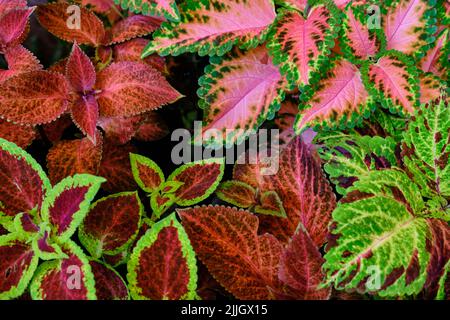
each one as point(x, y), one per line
point(40, 220)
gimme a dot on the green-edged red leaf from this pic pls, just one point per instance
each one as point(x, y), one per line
point(111, 224)
point(131, 88)
point(34, 97)
point(24, 183)
point(68, 202)
point(239, 92)
point(18, 262)
point(213, 27)
point(199, 180)
point(67, 158)
point(237, 193)
point(109, 285)
point(146, 172)
point(70, 278)
point(301, 44)
point(226, 240)
point(163, 264)
point(55, 17)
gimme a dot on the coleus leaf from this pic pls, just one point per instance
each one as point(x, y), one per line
point(67, 158)
point(213, 27)
point(431, 87)
point(152, 128)
point(131, 88)
point(55, 129)
point(301, 44)
point(80, 71)
point(163, 264)
point(294, 4)
point(359, 42)
point(109, 285)
point(18, 262)
point(301, 268)
point(382, 233)
point(237, 193)
point(407, 24)
point(340, 100)
point(66, 205)
point(24, 183)
point(34, 97)
point(146, 173)
point(198, 179)
point(46, 248)
point(393, 81)
point(55, 16)
point(348, 157)
point(13, 24)
point(70, 278)
point(85, 114)
point(20, 135)
point(162, 8)
point(426, 148)
point(116, 169)
point(238, 92)
point(6, 5)
point(133, 27)
point(111, 224)
point(100, 6)
point(19, 60)
point(226, 240)
point(132, 51)
point(436, 57)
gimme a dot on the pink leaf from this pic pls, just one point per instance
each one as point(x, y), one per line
point(131, 88)
point(85, 115)
point(132, 51)
point(80, 71)
point(13, 24)
point(432, 61)
point(19, 60)
point(133, 27)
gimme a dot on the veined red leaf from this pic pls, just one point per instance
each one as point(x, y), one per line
point(340, 99)
point(19, 60)
point(24, 183)
point(70, 278)
point(109, 285)
point(80, 71)
point(238, 92)
point(67, 158)
point(131, 88)
point(300, 45)
point(226, 240)
point(162, 8)
point(55, 129)
point(434, 59)
point(120, 129)
point(23, 136)
point(152, 128)
point(393, 81)
point(6, 5)
point(17, 265)
point(301, 268)
point(133, 27)
point(132, 51)
point(115, 167)
point(199, 180)
point(237, 193)
point(13, 24)
point(66, 205)
point(163, 264)
point(55, 17)
point(112, 224)
point(85, 114)
point(406, 24)
point(361, 42)
point(146, 172)
point(213, 27)
point(35, 97)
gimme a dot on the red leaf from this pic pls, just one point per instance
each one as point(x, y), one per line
point(54, 130)
point(80, 71)
point(85, 115)
point(131, 88)
point(152, 128)
point(301, 268)
point(67, 158)
point(54, 18)
point(108, 283)
point(20, 135)
point(226, 240)
point(23, 182)
point(33, 98)
point(132, 51)
point(6, 5)
point(111, 224)
point(133, 27)
point(116, 168)
point(100, 6)
point(13, 24)
point(19, 60)
point(146, 172)
point(120, 130)
point(163, 265)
